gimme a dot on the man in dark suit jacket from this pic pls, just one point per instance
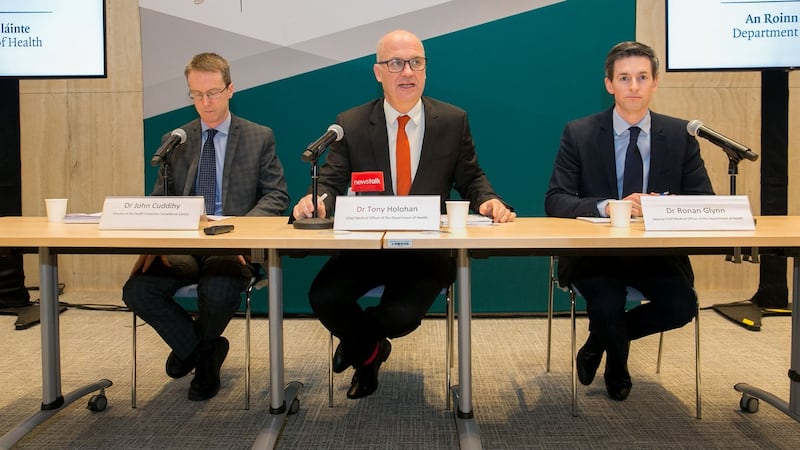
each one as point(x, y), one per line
point(249, 181)
point(589, 170)
point(442, 157)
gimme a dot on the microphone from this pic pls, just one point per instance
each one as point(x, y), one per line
point(335, 133)
point(366, 181)
point(177, 137)
point(696, 128)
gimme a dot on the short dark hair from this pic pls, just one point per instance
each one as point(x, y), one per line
point(626, 50)
point(210, 62)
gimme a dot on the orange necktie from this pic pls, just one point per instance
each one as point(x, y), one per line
point(403, 153)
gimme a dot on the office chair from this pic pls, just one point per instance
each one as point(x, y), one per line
point(258, 281)
point(634, 297)
point(449, 360)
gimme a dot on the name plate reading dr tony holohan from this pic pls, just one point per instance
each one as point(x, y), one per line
point(151, 213)
point(697, 212)
point(377, 212)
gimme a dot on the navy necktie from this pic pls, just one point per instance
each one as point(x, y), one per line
point(632, 175)
point(207, 173)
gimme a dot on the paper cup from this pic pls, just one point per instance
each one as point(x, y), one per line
point(620, 212)
point(56, 209)
point(457, 212)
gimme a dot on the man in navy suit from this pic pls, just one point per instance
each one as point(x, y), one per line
point(247, 181)
point(442, 157)
point(589, 170)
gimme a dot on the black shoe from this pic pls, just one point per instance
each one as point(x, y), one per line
point(365, 380)
point(177, 367)
point(210, 356)
point(619, 388)
point(339, 361)
point(587, 362)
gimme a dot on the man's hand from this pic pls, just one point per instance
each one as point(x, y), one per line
point(495, 209)
point(305, 208)
point(144, 262)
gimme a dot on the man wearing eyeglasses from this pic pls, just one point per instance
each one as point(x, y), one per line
point(439, 156)
point(232, 163)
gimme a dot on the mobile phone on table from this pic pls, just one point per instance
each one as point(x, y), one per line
point(218, 229)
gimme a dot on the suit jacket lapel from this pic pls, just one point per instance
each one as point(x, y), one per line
point(193, 144)
point(230, 153)
point(379, 142)
point(430, 136)
point(658, 150)
point(605, 140)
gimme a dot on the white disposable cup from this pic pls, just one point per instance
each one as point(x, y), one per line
point(457, 212)
point(56, 209)
point(620, 212)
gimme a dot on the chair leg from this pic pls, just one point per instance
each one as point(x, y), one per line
point(550, 311)
point(574, 354)
point(330, 370)
point(133, 362)
point(247, 313)
point(660, 348)
point(449, 360)
point(697, 362)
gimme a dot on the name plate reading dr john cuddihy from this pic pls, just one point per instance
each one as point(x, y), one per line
point(151, 213)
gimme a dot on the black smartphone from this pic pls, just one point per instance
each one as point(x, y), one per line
point(218, 229)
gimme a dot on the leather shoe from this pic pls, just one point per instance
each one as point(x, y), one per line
point(210, 356)
point(587, 363)
point(339, 361)
point(618, 387)
point(365, 380)
point(177, 367)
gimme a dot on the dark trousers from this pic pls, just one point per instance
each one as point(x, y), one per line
point(602, 280)
point(411, 280)
point(220, 281)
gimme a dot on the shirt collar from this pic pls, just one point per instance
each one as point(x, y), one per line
point(415, 114)
point(621, 126)
point(222, 128)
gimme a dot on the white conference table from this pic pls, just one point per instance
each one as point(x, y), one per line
point(548, 236)
point(252, 235)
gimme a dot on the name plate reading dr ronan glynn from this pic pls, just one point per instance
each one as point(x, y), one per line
point(151, 213)
point(383, 212)
point(697, 212)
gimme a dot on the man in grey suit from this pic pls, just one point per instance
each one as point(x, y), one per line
point(439, 156)
point(625, 152)
point(232, 163)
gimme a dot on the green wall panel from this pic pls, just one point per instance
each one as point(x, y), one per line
point(520, 79)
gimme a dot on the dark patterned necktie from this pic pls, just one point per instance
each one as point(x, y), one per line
point(632, 176)
point(207, 173)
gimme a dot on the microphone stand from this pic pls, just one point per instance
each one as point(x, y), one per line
point(314, 222)
point(734, 158)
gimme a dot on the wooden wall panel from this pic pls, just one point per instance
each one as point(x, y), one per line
point(82, 139)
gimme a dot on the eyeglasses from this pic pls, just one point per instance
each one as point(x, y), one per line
point(212, 94)
point(396, 65)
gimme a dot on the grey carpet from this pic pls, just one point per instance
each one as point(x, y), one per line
point(517, 404)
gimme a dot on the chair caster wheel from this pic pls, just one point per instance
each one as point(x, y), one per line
point(748, 404)
point(294, 407)
point(97, 403)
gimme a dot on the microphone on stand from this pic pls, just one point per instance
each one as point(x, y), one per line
point(696, 128)
point(311, 154)
point(176, 138)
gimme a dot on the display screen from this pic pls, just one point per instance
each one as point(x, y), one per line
point(732, 34)
point(52, 39)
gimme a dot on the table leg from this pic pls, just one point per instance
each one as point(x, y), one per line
point(279, 395)
point(52, 400)
point(752, 394)
point(468, 433)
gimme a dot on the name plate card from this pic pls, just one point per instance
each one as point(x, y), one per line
point(697, 212)
point(151, 213)
point(407, 212)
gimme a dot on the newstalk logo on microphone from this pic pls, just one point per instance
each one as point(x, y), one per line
point(366, 182)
